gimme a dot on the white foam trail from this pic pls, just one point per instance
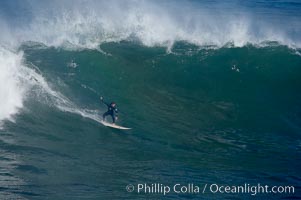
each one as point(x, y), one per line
point(47, 95)
point(18, 81)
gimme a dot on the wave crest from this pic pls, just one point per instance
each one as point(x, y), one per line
point(86, 24)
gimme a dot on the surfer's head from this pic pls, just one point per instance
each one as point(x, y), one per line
point(113, 104)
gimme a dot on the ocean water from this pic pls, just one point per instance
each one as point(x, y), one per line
point(210, 89)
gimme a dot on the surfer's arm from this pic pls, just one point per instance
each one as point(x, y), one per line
point(101, 99)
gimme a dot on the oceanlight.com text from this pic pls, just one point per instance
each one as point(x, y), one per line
point(251, 189)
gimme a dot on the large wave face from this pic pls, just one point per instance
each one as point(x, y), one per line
point(87, 23)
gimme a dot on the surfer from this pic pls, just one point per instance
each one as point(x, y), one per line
point(112, 110)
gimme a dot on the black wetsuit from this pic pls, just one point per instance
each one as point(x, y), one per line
point(111, 111)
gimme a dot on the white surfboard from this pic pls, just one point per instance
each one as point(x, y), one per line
point(114, 125)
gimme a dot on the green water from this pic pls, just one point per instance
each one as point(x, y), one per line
point(202, 116)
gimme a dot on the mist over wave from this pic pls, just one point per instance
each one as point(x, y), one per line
point(88, 23)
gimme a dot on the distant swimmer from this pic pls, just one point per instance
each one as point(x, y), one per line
point(112, 110)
